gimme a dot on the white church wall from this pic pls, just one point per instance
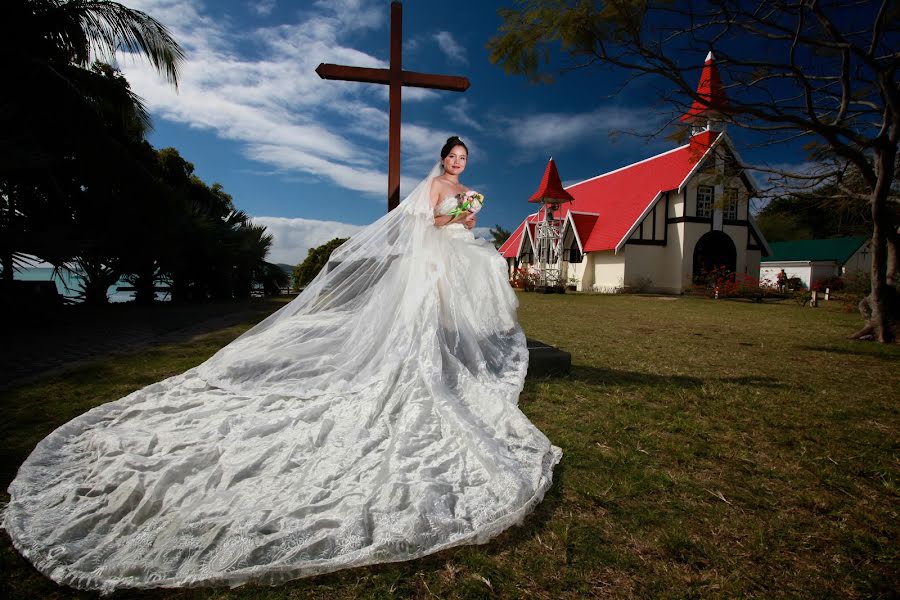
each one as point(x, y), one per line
point(608, 271)
point(689, 205)
point(677, 255)
point(653, 226)
point(652, 268)
point(579, 270)
point(676, 205)
point(738, 235)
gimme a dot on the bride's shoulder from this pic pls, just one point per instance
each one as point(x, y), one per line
point(440, 190)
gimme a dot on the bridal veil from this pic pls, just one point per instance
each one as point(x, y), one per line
point(372, 419)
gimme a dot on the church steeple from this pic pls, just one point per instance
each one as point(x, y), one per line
point(706, 115)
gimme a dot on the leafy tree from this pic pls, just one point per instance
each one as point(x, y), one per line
point(500, 235)
point(57, 112)
point(808, 216)
point(273, 279)
point(822, 71)
point(315, 261)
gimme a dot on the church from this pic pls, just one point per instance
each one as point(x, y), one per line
point(659, 224)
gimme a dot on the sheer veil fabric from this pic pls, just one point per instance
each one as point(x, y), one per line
point(372, 419)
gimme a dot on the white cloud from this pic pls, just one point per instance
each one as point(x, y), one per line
point(448, 44)
point(263, 8)
point(268, 98)
point(562, 130)
point(483, 232)
point(411, 44)
point(461, 111)
point(294, 237)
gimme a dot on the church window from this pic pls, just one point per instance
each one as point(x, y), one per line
point(704, 200)
point(731, 203)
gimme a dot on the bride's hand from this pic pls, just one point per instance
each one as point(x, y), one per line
point(470, 221)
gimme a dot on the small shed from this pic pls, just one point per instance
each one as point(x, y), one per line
point(814, 260)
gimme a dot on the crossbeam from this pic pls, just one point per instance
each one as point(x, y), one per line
point(383, 76)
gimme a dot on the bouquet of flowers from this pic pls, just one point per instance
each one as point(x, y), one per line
point(470, 201)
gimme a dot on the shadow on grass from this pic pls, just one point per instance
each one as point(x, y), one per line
point(881, 351)
point(600, 376)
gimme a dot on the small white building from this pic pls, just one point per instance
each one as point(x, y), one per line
point(661, 223)
point(815, 260)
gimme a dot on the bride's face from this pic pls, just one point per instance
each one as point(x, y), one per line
point(455, 161)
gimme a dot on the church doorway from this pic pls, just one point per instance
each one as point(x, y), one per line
point(714, 250)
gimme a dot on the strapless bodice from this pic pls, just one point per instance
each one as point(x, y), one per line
point(446, 205)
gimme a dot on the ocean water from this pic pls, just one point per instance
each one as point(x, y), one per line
point(68, 284)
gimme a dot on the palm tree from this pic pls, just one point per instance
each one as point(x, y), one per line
point(56, 110)
point(50, 34)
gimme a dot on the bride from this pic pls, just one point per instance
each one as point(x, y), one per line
point(372, 419)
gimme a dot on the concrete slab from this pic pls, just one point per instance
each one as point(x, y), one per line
point(547, 361)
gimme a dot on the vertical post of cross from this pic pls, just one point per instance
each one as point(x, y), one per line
point(394, 104)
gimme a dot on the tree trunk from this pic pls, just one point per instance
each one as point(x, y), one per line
point(144, 282)
point(7, 268)
point(892, 276)
point(7, 258)
point(880, 308)
point(96, 281)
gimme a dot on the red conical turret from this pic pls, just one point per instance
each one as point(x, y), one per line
point(551, 190)
point(710, 90)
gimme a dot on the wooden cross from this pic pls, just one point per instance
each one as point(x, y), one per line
point(396, 78)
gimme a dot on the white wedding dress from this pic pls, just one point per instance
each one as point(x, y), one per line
point(373, 419)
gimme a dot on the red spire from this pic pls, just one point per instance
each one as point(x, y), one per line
point(710, 89)
point(551, 189)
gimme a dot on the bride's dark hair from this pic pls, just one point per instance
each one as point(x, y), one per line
point(451, 143)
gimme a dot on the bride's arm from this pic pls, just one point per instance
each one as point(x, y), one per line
point(442, 220)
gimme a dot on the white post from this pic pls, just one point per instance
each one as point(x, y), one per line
point(827, 294)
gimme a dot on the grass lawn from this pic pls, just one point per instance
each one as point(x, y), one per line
point(711, 449)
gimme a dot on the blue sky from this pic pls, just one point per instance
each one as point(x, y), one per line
point(308, 157)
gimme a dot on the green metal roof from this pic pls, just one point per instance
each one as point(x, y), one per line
point(836, 249)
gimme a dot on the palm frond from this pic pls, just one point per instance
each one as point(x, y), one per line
point(106, 27)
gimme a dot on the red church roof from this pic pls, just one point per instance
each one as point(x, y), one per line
point(584, 225)
point(607, 208)
point(510, 248)
point(709, 89)
point(551, 187)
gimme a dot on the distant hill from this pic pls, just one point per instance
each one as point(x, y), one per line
point(289, 269)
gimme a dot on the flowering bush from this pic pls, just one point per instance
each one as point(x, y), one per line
point(720, 282)
point(835, 284)
point(728, 284)
point(523, 278)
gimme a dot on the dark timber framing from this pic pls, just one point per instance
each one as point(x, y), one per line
point(654, 240)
